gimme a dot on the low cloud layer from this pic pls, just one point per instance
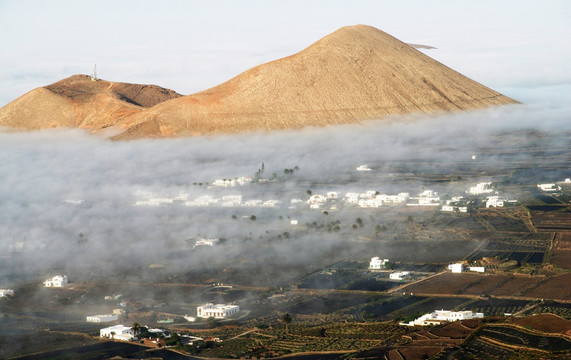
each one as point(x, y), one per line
point(68, 196)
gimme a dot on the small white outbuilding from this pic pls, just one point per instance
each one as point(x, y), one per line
point(56, 281)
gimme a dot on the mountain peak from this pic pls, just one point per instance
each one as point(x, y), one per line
point(353, 74)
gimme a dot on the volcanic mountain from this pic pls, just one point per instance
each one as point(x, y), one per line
point(354, 74)
point(81, 101)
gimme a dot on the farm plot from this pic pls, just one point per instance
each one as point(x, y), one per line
point(420, 268)
point(331, 303)
point(447, 283)
point(556, 287)
point(427, 305)
point(373, 331)
point(553, 307)
point(561, 258)
point(516, 285)
point(521, 242)
point(454, 330)
point(517, 337)
point(548, 323)
point(329, 280)
point(382, 308)
point(496, 307)
point(519, 256)
point(371, 284)
point(561, 253)
point(546, 199)
point(477, 350)
point(447, 221)
point(552, 221)
point(486, 284)
point(505, 224)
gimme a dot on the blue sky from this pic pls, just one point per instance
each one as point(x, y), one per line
point(189, 46)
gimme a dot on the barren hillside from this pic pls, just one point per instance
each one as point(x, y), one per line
point(79, 101)
point(354, 74)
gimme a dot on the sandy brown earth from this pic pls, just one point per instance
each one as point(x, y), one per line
point(354, 74)
point(547, 323)
point(79, 101)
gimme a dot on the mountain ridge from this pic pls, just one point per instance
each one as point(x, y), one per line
point(353, 74)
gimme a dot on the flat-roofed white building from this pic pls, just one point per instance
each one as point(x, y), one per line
point(363, 167)
point(447, 208)
point(481, 188)
point(217, 311)
point(456, 268)
point(352, 198)
point(399, 275)
point(102, 318)
point(480, 269)
point(206, 242)
point(253, 203)
point(316, 198)
point(439, 316)
point(56, 281)
point(495, 201)
point(117, 332)
point(6, 292)
point(370, 203)
point(271, 203)
point(332, 195)
point(547, 187)
point(377, 263)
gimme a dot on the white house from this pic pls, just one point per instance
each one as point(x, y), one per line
point(253, 203)
point(547, 187)
point(316, 199)
point(370, 203)
point(102, 318)
point(456, 268)
point(438, 316)
point(6, 292)
point(117, 332)
point(271, 203)
point(352, 198)
point(447, 208)
point(204, 200)
point(206, 242)
point(378, 263)
point(463, 209)
point(332, 195)
point(217, 311)
point(426, 198)
point(495, 201)
point(477, 268)
point(56, 281)
point(481, 188)
point(399, 275)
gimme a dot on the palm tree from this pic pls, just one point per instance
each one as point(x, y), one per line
point(113, 335)
point(325, 213)
point(286, 318)
point(136, 328)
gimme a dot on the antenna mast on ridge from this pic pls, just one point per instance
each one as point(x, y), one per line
point(94, 75)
